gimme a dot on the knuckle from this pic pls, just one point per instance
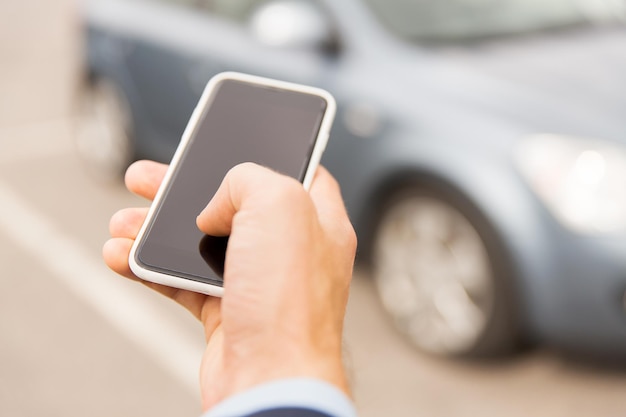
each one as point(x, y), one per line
point(353, 240)
point(334, 184)
point(348, 237)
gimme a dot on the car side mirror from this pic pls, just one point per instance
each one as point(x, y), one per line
point(294, 24)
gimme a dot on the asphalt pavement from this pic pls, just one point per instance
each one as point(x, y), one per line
point(77, 340)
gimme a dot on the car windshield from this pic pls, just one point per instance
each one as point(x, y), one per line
point(469, 19)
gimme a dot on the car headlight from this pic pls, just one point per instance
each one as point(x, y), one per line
point(582, 181)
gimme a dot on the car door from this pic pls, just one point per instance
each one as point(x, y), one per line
point(167, 41)
point(185, 42)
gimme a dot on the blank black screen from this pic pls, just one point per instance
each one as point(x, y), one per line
point(243, 123)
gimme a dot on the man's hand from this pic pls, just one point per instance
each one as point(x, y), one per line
point(287, 275)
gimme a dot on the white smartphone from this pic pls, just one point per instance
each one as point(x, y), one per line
point(239, 118)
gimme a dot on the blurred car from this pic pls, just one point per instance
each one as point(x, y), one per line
point(480, 145)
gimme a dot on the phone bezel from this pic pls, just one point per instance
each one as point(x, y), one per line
point(205, 100)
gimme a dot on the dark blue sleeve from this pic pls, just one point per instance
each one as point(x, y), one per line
point(289, 412)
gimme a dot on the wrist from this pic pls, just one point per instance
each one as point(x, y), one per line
point(330, 370)
point(243, 375)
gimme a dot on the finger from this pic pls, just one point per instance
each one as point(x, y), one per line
point(325, 186)
point(331, 211)
point(144, 178)
point(127, 222)
point(192, 301)
point(210, 315)
point(247, 182)
point(326, 195)
point(115, 253)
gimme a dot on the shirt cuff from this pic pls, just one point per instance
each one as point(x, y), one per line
point(304, 393)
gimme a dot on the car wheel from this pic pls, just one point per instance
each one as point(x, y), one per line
point(440, 277)
point(103, 130)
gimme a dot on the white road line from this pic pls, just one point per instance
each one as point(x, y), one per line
point(87, 277)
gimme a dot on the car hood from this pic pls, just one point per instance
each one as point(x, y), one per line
point(569, 82)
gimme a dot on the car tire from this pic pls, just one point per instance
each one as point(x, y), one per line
point(103, 130)
point(442, 274)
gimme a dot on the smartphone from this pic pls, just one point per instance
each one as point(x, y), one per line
point(239, 118)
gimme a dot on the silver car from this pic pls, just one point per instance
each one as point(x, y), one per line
point(480, 145)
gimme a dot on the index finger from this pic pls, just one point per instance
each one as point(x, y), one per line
point(326, 195)
point(145, 177)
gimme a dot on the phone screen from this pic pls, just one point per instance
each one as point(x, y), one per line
point(243, 122)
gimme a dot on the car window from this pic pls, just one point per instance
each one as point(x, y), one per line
point(237, 10)
point(464, 19)
point(234, 10)
point(187, 3)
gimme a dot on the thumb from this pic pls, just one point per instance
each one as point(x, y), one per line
point(240, 185)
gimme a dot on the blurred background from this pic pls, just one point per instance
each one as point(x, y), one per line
point(481, 150)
